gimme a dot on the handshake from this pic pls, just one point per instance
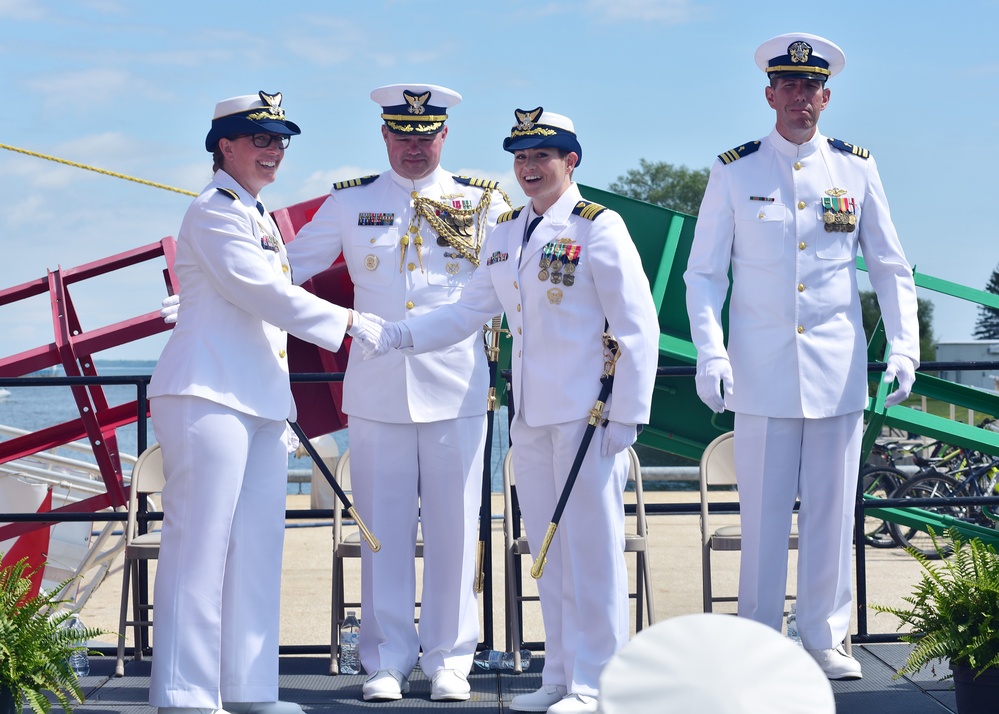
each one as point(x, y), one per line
point(375, 336)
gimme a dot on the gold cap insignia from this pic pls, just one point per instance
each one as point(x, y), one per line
point(416, 101)
point(527, 119)
point(799, 52)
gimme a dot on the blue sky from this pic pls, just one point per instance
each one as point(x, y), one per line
point(130, 87)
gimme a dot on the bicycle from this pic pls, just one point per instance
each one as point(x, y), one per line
point(978, 475)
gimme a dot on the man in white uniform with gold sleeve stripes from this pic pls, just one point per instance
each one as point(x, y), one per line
point(787, 215)
point(411, 237)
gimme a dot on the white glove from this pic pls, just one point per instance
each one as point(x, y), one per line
point(390, 339)
point(366, 329)
point(169, 308)
point(618, 437)
point(716, 371)
point(901, 368)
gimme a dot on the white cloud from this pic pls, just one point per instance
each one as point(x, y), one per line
point(667, 12)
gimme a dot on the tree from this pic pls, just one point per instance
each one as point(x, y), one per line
point(872, 313)
point(987, 326)
point(675, 187)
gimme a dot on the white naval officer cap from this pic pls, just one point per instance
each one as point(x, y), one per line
point(249, 114)
point(539, 128)
point(712, 663)
point(799, 54)
point(415, 108)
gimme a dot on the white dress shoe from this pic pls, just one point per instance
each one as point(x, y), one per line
point(836, 663)
point(384, 685)
point(574, 704)
point(262, 707)
point(539, 700)
point(450, 685)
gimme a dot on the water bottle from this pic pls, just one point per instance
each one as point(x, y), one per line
point(494, 660)
point(350, 662)
point(79, 662)
point(792, 624)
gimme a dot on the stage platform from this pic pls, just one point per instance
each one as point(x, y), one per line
point(305, 680)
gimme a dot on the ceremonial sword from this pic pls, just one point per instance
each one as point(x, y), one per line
point(596, 416)
point(485, 507)
point(365, 533)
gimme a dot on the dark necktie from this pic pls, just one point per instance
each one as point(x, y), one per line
point(260, 207)
point(527, 236)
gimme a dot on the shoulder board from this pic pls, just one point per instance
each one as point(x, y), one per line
point(738, 152)
point(477, 182)
point(849, 148)
point(509, 215)
point(588, 210)
point(363, 181)
point(228, 192)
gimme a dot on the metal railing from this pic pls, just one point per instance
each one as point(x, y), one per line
point(140, 383)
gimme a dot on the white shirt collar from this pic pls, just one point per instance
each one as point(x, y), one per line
point(796, 150)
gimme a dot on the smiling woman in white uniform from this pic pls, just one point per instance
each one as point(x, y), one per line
point(220, 398)
point(563, 270)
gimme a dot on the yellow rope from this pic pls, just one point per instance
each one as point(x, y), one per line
point(100, 171)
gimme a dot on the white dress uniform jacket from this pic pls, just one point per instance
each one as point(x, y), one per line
point(557, 360)
point(796, 339)
point(229, 344)
point(396, 388)
point(557, 353)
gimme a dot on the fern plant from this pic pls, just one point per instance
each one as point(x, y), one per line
point(954, 609)
point(34, 643)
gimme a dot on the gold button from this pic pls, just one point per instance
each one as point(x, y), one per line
point(284, 268)
point(410, 305)
point(519, 354)
point(800, 329)
point(372, 241)
point(797, 166)
point(802, 245)
point(518, 308)
point(281, 354)
point(801, 287)
point(515, 286)
point(411, 266)
point(761, 216)
point(414, 194)
point(801, 204)
point(519, 331)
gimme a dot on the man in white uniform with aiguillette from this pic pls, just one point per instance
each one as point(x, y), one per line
point(787, 214)
point(411, 238)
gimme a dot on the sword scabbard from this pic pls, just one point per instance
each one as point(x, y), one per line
point(367, 535)
point(538, 569)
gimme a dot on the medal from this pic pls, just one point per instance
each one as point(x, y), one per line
point(543, 275)
point(568, 279)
